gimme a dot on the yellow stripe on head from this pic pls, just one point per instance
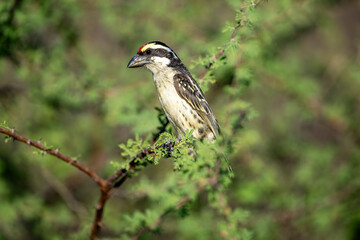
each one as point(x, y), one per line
point(152, 45)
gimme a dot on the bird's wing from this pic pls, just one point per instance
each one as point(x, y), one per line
point(189, 90)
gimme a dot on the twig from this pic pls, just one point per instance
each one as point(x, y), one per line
point(222, 50)
point(56, 153)
point(115, 181)
point(112, 182)
point(122, 173)
point(106, 186)
point(97, 224)
point(118, 178)
point(103, 184)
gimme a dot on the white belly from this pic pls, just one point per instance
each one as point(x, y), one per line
point(176, 109)
point(181, 115)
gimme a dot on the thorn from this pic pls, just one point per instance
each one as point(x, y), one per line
point(28, 142)
point(56, 151)
point(12, 131)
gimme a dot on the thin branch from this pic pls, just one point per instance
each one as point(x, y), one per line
point(97, 224)
point(122, 172)
point(56, 153)
point(118, 178)
point(115, 181)
point(107, 191)
point(106, 186)
point(222, 50)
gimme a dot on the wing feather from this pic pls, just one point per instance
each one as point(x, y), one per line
point(189, 90)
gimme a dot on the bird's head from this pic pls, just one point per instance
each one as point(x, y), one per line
point(155, 56)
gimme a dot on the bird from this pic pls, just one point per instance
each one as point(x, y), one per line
point(179, 94)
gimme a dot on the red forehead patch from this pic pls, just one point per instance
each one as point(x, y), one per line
point(141, 47)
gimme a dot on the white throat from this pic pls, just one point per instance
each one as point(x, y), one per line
point(158, 64)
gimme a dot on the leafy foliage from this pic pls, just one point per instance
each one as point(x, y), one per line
point(282, 78)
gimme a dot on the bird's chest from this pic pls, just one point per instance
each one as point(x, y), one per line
point(178, 111)
point(171, 102)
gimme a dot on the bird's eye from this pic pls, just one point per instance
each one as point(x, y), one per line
point(148, 51)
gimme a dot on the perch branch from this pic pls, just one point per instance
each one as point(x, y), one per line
point(113, 182)
point(97, 224)
point(56, 153)
point(105, 185)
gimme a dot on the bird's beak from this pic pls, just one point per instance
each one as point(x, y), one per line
point(138, 61)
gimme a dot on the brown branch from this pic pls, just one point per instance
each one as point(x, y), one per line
point(97, 224)
point(112, 183)
point(118, 178)
point(115, 181)
point(106, 186)
point(56, 153)
point(123, 172)
point(222, 50)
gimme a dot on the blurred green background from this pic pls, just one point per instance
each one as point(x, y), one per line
point(293, 71)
